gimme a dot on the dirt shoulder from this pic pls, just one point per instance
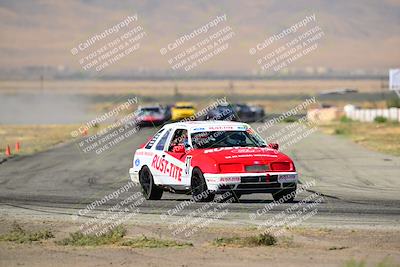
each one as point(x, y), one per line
point(298, 247)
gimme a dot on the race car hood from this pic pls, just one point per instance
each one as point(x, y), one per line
point(245, 155)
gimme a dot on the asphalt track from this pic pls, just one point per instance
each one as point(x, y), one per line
point(359, 186)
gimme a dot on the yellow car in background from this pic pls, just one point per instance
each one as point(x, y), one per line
point(182, 110)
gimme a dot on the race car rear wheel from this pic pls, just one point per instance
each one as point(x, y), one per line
point(287, 195)
point(150, 190)
point(200, 192)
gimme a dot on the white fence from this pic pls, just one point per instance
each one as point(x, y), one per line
point(369, 115)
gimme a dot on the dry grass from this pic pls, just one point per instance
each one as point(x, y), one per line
point(116, 236)
point(19, 235)
point(33, 138)
point(383, 137)
point(249, 241)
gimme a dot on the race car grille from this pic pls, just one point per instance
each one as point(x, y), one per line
point(258, 186)
point(289, 185)
point(259, 179)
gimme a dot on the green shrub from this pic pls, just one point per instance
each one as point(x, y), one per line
point(380, 119)
point(345, 119)
point(290, 119)
point(340, 131)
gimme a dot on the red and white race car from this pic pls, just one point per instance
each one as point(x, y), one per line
point(212, 157)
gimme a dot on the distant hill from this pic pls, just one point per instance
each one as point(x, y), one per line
point(362, 34)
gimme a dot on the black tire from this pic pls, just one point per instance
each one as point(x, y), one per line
point(286, 195)
point(199, 189)
point(150, 190)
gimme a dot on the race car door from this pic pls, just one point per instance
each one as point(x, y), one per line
point(178, 159)
point(158, 165)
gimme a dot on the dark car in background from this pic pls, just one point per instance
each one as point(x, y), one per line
point(259, 112)
point(222, 113)
point(248, 113)
point(236, 112)
point(151, 116)
point(244, 112)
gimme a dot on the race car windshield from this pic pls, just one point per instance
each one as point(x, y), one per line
point(214, 139)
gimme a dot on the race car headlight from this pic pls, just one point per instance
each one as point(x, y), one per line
point(230, 167)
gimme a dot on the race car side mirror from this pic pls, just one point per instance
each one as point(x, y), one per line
point(274, 146)
point(179, 149)
point(187, 146)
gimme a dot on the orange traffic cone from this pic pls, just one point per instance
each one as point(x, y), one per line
point(8, 151)
point(17, 147)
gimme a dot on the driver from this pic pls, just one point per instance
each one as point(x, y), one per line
point(235, 139)
point(180, 138)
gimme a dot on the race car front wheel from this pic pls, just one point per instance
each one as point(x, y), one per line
point(285, 196)
point(150, 190)
point(200, 192)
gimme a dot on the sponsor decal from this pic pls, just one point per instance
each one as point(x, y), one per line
point(199, 129)
point(144, 153)
point(284, 178)
point(217, 128)
point(168, 168)
point(230, 180)
point(137, 162)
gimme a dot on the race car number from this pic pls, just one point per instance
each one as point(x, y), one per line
point(284, 178)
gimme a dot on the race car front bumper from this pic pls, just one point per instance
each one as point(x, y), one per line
point(134, 175)
point(247, 183)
